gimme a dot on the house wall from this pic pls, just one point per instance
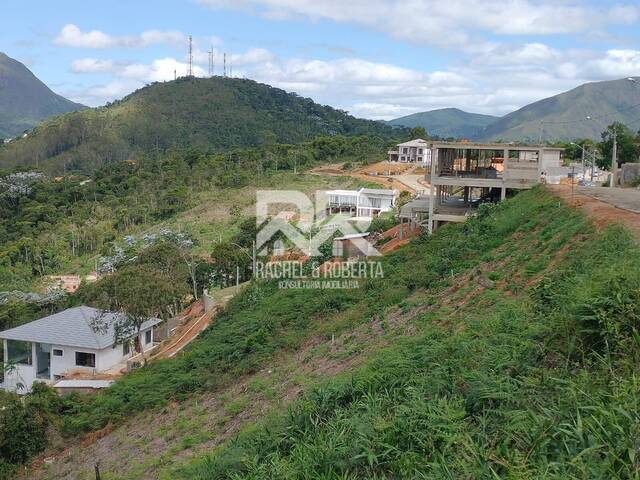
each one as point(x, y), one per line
point(67, 362)
point(550, 159)
point(105, 359)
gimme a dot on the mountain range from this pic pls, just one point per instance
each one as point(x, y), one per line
point(25, 100)
point(220, 113)
point(583, 112)
point(447, 122)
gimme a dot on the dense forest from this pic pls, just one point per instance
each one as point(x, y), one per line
point(52, 225)
point(209, 114)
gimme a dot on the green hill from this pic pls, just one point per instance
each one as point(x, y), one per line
point(487, 350)
point(212, 114)
point(24, 100)
point(563, 116)
point(446, 122)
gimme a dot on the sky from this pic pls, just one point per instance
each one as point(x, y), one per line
point(377, 59)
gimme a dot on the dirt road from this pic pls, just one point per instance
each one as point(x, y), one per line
point(403, 181)
point(605, 205)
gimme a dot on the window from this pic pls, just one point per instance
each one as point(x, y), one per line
point(19, 352)
point(57, 352)
point(405, 150)
point(84, 359)
point(147, 337)
point(420, 151)
point(419, 159)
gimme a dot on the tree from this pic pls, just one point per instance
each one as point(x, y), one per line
point(628, 150)
point(418, 132)
point(227, 258)
point(139, 293)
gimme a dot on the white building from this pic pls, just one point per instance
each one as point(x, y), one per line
point(48, 349)
point(366, 202)
point(414, 151)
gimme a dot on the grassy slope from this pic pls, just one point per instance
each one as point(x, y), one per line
point(530, 376)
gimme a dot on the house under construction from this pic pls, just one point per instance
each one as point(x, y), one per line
point(463, 175)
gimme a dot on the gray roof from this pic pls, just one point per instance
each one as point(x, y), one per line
point(420, 204)
point(71, 328)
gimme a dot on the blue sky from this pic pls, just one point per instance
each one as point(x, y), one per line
point(374, 58)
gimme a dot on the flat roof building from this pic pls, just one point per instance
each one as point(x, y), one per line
point(463, 175)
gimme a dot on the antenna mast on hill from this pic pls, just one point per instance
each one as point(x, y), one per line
point(211, 62)
point(224, 64)
point(231, 65)
point(190, 72)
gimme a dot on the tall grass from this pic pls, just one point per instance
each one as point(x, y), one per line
point(265, 319)
point(533, 380)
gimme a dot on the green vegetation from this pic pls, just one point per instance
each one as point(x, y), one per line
point(25, 100)
point(628, 147)
point(211, 115)
point(23, 425)
point(446, 122)
point(538, 379)
point(50, 227)
point(520, 362)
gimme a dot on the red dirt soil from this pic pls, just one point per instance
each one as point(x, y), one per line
point(602, 213)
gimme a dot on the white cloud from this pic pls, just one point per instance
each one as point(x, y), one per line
point(72, 36)
point(454, 23)
point(616, 64)
point(91, 65)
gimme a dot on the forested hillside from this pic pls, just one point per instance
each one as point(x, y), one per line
point(54, 226)
point(209, 114)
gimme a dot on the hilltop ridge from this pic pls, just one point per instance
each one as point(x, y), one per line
point(209, 114)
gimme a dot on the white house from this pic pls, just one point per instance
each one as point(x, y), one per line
point(413, 151)
point(48, 349)
point(366, 202)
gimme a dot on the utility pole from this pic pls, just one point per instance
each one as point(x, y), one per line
point(190, 73)
point(541, 132)
point(583, 170)
point(614, 156)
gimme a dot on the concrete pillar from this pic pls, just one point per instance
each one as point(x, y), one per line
point(505, 162)
point(432, 189)
point(503, 193)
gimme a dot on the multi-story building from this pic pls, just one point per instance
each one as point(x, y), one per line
point(414, 151)
point(462, 175)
